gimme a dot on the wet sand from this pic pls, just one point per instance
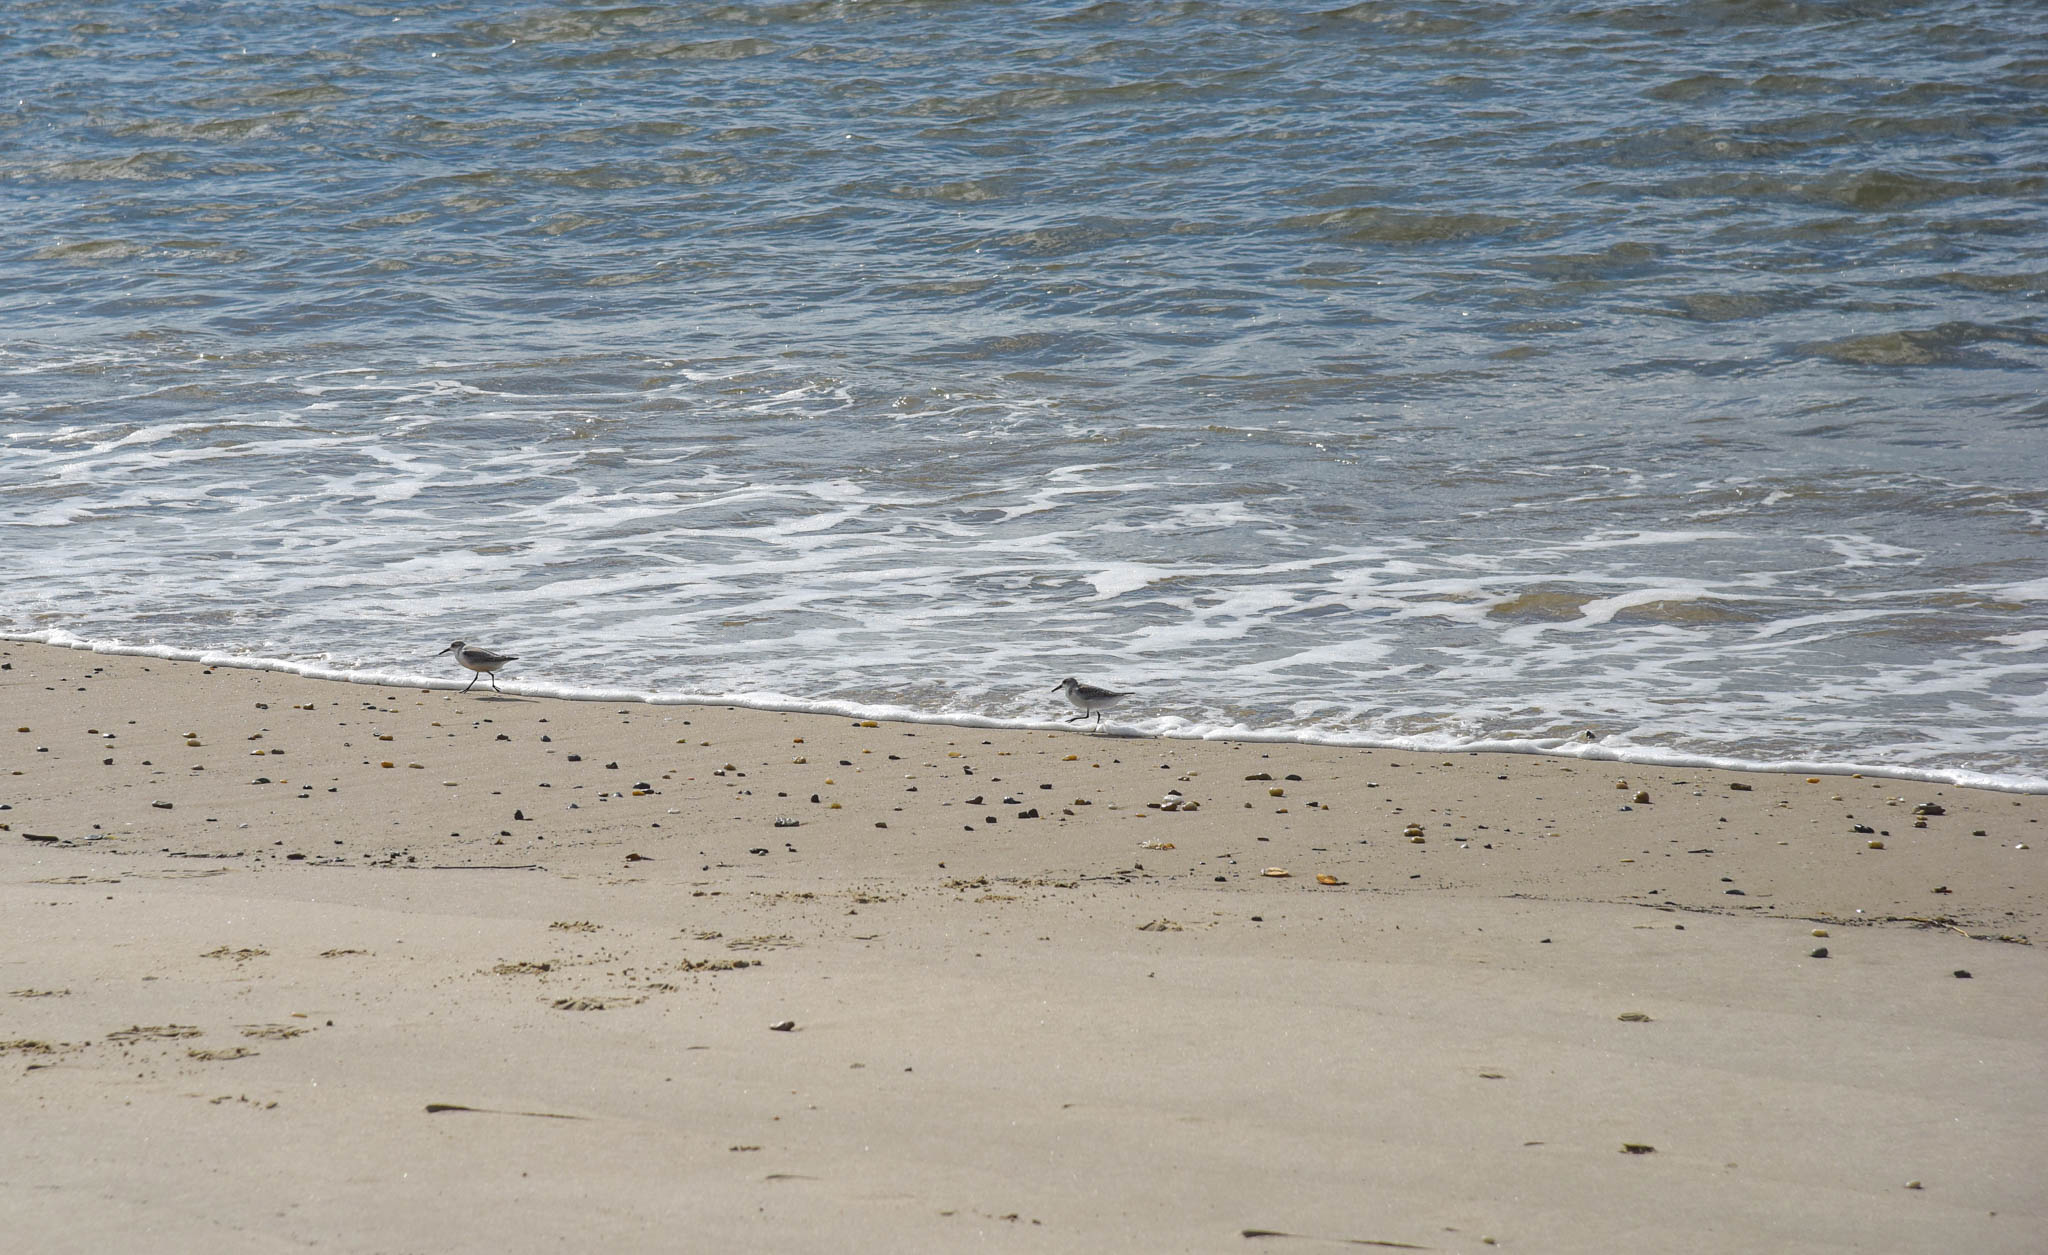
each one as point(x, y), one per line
point(291, 961)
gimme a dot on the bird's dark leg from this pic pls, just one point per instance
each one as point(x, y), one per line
point(1077, 719)
point(494, 683)
point(472, 683)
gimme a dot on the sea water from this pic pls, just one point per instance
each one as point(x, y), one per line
point(1438, 374)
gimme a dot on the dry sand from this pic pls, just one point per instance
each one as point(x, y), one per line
point(294, 963)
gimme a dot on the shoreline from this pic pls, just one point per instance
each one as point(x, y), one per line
point(1034, 995)
point(1592, 751)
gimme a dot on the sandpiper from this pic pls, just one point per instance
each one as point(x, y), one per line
point(1088, 699)
point(481, 661)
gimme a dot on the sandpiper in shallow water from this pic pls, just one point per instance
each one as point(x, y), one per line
point(481, 661)
point(1088, 699)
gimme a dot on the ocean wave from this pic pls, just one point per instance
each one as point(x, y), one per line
point(1465, 370)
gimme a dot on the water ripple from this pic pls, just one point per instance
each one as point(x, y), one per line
point(1426, 369)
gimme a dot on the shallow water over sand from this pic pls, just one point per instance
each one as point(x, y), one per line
point(1440, 374)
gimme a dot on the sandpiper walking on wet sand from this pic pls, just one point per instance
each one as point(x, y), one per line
point(481, 661)
point(1088, 699)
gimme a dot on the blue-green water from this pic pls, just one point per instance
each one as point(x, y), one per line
point(1447, 373)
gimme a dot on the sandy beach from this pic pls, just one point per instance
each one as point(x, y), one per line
point(294, 963)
